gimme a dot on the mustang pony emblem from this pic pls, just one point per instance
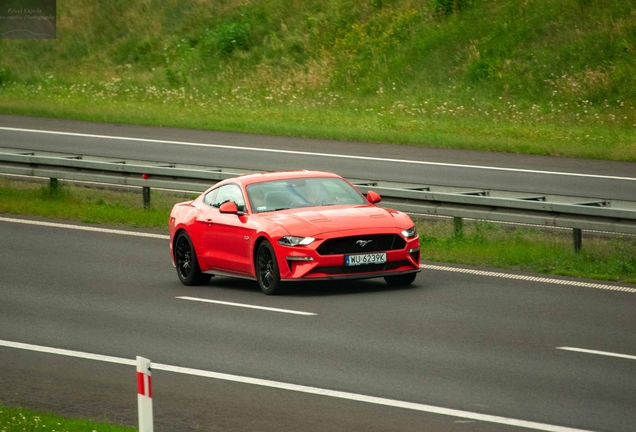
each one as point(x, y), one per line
point(363, 243)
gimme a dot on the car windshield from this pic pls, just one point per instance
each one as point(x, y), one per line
point(298, 193)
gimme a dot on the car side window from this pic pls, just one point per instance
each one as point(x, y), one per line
point(210, 197)
point(229, 192)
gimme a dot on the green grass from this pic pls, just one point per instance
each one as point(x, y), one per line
point(482, 244)
point(538, 76)
point(16, 419)
point(530, 249)
point(87, 205)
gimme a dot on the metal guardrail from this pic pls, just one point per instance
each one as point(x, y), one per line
point(112, 171)
point(576, 213)
point(522, 208)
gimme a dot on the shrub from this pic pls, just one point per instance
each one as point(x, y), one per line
point(232, 36)
point(447, 7)
point(5, 76)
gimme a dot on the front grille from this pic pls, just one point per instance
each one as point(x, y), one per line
point(350, 245)
point(361, 268)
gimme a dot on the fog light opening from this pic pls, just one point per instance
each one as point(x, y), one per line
point(415, 254)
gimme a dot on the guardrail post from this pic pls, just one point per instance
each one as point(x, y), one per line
point(458, 227)
point(53, 184)
point(144, 395)
point(578, 239)
point(146, 197)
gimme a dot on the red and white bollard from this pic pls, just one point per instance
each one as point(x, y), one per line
point(144, 394)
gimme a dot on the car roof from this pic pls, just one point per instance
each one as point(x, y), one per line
point(281, 175)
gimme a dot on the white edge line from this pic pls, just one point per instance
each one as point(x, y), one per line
point(528, 278)
point(302, 389)
point(422, 266)
point(246, 306)
point(604, 353)
point(266, 150)
point(68, 353)
point(84, 228)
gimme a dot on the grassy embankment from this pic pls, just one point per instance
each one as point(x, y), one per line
point(537, 76)
point(482, 244)
point(14, 419)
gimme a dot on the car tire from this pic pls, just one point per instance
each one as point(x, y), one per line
point(267, 272)
point(400, 280)
point(187, 264)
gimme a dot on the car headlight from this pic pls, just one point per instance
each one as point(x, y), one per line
point(295, 241)
point(411, 232)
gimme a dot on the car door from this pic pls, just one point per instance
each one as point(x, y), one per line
point(227, 236)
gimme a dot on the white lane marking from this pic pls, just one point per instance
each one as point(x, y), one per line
point(529, 278)
point(605, 353)
point(331, 155)
point(84, 228)
point(69, 353)
point(246, 306)
point(302, 389)
point(422, 266)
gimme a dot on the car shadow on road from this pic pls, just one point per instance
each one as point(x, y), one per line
point(343, 287)
point(314, 288)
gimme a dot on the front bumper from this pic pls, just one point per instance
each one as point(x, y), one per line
point(306, 264)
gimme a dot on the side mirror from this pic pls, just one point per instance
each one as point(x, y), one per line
point(373, 197)
point(229, 208)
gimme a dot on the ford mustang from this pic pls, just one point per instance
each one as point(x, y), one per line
point(291, 226)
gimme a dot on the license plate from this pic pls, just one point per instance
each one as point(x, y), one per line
point(364, 259)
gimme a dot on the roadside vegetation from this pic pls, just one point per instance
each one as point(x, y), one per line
point(548, 251)
point(484, 244)
point(16, 419)
point(537, 76)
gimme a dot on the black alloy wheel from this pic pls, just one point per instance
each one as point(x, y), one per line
point(267, 269)
point(187, 265)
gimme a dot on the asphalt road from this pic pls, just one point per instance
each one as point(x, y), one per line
point(484, 345)
point(480, 170)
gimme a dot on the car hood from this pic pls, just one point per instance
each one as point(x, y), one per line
point(313, 222)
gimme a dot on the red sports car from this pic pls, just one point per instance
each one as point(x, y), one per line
point(291, 226)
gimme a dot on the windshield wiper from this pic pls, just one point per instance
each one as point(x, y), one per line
point(276, 209)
